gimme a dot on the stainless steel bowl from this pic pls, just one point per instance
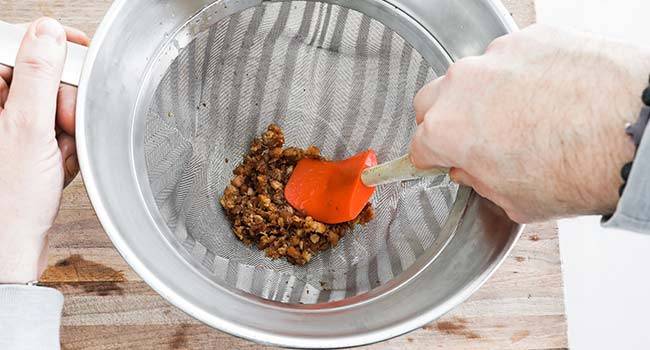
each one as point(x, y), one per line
point(115, 91)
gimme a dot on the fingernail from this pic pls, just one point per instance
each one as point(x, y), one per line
point(72, 164)
point(50, 29)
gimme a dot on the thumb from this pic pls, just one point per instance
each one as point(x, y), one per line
point(37, 75)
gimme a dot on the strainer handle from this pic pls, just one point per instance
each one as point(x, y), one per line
point(399, 169)
point(12, 35)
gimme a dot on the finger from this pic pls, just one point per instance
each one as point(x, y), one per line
point(65, 108)
point(67, 98)
point(4, 92)
point(460, 177)
point(76, 36)
point(425, 99)
point(424, 153)
point(478, 185)
point(69, 156)
point(37, 75)
point(6, 73)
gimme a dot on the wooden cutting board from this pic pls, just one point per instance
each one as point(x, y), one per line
point(107, 306)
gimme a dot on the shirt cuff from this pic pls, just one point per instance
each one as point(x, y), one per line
point(30, 317)
point(633, 210)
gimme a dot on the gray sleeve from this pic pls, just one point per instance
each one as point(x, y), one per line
point(633, 211)
point(30, 317)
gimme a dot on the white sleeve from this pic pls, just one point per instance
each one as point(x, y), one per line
point(30, 317)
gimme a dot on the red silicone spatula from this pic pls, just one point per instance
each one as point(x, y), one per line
point(335, 192)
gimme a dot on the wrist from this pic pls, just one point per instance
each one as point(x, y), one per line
point(23, 256)
point(604, 146)
point(621, 146)
point(622, 152)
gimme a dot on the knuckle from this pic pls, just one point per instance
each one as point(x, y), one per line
point(418, 104)
point(463, 67)
point(416, 152)
point(37, 66)
point(499, 44)
point(536, 27)
point(421, 95)
point(19, 118)
point(429, 124)
point(516, 216)
point(480, 189)
point(513, 211)
point(534, 35)
point(427, 92)
point(4, 90)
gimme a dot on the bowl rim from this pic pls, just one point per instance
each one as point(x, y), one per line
point(103, 213)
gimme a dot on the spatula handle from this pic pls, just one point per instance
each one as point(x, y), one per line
point(397, 170)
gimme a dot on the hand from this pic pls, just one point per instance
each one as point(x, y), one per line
point(37, 147)
point(537, 123)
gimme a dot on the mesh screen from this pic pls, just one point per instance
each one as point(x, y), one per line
point(330, 77)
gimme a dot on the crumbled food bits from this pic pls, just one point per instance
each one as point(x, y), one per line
point(255, 204)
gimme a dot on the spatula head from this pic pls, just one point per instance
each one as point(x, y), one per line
point(330, 192)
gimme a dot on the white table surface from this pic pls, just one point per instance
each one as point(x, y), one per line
point(606, 272)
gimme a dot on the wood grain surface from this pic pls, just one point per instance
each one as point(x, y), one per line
point(107, 306)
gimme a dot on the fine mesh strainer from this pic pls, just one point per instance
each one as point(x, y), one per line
point(171, 94)
point(331, 77)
